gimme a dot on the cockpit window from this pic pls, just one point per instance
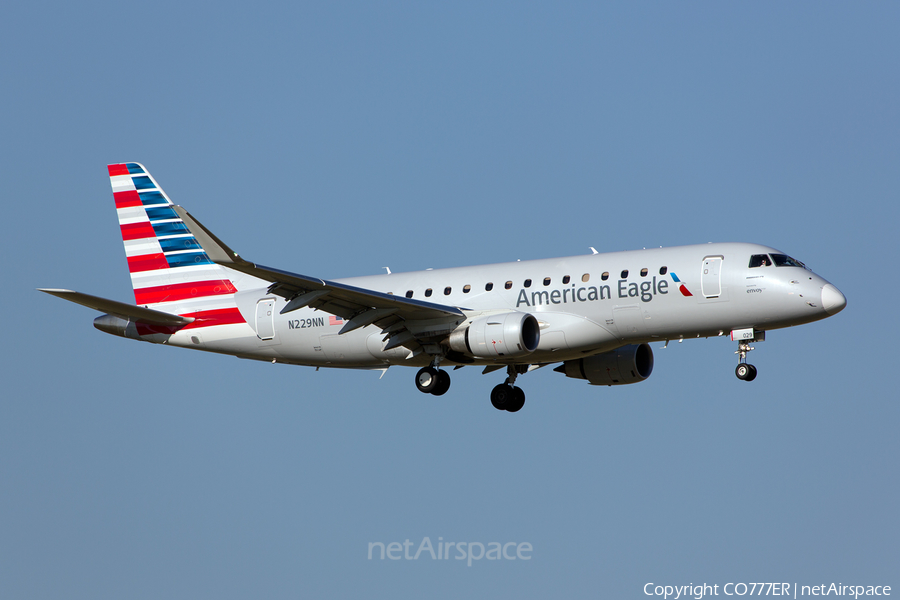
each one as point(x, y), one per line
point(783, 260)
point(759, 260)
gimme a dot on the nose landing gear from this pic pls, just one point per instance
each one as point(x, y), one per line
point(744, 370)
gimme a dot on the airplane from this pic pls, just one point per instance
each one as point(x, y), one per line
point(593, 315)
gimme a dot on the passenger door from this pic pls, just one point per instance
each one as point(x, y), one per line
point(711, 276)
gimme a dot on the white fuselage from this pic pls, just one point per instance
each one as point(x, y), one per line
point(584, 305)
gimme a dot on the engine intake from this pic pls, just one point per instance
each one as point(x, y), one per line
point(506, 334)
point(628, 364)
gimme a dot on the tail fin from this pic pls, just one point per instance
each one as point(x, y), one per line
point(169, 269)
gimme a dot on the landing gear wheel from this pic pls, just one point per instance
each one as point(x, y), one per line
point(517, 402)
point(502, 396)
point(752, 374)
point(745, 372)
point(443, 383)
point(427, 379)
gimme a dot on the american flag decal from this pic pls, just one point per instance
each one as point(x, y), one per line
point(333, 320)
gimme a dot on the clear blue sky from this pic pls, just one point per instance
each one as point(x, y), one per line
point(334, 139)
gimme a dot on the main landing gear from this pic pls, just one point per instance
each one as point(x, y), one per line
point(431, 380)
point(744, 370)
point(507, 396)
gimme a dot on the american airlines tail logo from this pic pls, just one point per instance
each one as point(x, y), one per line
point(684, 291)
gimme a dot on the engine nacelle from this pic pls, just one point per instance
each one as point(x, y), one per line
point(628, 364)
point(506, 334)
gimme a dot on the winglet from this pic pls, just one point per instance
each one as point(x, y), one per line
point(215, 248)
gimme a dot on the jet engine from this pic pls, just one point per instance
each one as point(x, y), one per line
point(628, 364)
point(506, 334)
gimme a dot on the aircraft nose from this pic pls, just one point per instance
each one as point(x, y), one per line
point(833, 301)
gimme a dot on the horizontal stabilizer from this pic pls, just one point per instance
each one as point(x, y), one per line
point(120, 309)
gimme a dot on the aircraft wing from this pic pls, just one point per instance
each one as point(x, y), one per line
point(359, 306)
point(120, 309)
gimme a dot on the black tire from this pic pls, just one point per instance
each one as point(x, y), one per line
point(517, 402)
point(443, 384)
point(427, 379)
point(743, 371)
point(752, 374)
point(501, 396)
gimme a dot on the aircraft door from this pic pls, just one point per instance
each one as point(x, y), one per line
point(711, 276)
point(265, 319)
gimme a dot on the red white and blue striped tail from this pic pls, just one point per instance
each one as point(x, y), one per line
point(169, 270)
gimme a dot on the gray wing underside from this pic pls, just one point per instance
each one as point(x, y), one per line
point(358, 306)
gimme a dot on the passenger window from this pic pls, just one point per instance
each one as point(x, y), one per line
point(624, 274)
point(546, 281)
point(605, 275)
point(467, 289)
point(488, 287)
point(446, 291)
point(644, 272)
point(409, 294)
point(428, 293)
point(508, 285)
point(586, 277)
point(566, 279)
point(663, 270)
point(759, 260)
point(527, 283)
